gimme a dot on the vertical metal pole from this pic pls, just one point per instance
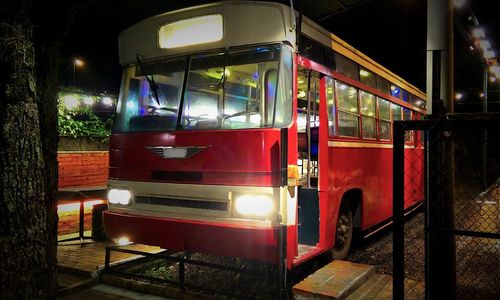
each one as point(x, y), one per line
point(398, 211)
point(426, 205)
point(485, 133)
point(82, 221)
point(181, 274)
point(106, 258)
point(308, 129)
point(441, 268)
point(284, 156)
point(440, 40)
point(485, 88)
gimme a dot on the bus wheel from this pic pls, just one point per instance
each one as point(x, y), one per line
point(343, 237)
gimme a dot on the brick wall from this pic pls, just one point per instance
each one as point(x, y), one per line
point(82, 168)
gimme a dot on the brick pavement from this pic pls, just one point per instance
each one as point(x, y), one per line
point(89, 257)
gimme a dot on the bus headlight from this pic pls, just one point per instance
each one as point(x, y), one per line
point(254, 205)
point(117, 196)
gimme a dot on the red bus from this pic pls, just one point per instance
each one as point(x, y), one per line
point(228, 129)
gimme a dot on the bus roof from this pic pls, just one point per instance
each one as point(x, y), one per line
point(240, 27)
point(318, 33)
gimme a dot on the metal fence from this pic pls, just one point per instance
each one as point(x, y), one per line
point(451, 248)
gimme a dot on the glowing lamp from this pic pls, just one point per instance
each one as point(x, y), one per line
point(107, 101)
point(191, 31)
point(254, 205)
point(123, 241)
point(78, 62)
point(116, 196)
point(88, 100)
point(70, 101)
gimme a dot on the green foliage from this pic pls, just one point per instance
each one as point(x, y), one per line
point(82, 122)
point(158, 269)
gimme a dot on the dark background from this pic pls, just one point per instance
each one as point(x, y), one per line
point(392, 32)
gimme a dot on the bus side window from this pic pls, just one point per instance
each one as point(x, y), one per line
point(348, 111)
point(384, 108)
point(409, 134)
point(330, 100)
point(368, 121)
point(396, 112)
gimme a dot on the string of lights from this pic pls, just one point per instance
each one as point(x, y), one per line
point(480, 43)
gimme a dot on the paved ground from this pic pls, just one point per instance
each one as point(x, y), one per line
point(78, 264)
point(107, 292)
point(88, 257)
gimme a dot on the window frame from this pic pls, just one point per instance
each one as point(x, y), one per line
point(341, 110)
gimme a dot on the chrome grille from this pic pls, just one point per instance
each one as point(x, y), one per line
point(162, 151)
point(198, 204)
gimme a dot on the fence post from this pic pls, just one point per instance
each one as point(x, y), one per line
point(398, 210)
point(441, 270)
point(181, 273)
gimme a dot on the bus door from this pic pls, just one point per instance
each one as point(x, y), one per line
point(308, 99)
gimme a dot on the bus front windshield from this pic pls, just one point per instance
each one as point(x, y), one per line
point(233, 89)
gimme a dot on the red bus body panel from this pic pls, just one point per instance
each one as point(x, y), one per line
point(239, 157)
point(200, 236)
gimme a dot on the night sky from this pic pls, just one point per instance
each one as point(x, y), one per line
point(392, 32)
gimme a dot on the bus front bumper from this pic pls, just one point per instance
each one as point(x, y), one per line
point(260, 243)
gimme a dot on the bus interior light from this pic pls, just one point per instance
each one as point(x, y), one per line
point(364, 73)
point(117, 196)
point(254, 205)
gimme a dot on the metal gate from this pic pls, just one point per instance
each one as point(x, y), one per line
point(451, 248)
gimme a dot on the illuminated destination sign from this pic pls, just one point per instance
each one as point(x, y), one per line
point(191, 31)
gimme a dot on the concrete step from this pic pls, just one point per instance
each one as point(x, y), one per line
point(337, 280)
point(378, 287)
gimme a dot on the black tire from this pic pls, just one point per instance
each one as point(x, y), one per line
point(344, 233)
point(98, 233)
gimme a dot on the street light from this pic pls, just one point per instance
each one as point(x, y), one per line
point(459, 3)
point(76, 63)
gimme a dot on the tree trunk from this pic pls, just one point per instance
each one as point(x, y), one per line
point(27, 235)
point(47, 56)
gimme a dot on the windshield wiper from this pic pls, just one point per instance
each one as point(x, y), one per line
point(152, 85)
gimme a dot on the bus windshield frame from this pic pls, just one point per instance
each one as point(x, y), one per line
point(237, 88)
